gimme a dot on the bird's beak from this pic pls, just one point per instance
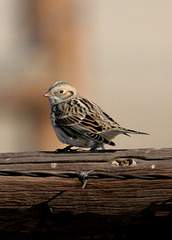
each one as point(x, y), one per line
point(47, 94)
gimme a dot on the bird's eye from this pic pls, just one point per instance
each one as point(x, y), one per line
point(61, 91)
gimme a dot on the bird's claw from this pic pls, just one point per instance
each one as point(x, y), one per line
point(66, 149)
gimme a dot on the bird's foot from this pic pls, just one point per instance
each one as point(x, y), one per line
point(66, 149)
point(93, 150)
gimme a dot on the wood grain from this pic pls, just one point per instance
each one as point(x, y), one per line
point(102, 198)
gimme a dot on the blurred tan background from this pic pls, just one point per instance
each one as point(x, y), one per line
point(117, 53)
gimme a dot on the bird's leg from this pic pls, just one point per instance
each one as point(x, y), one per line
point(93, 150)
point(103, 147)
point(66, 149)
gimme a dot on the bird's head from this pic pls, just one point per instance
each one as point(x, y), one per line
point(59, 92)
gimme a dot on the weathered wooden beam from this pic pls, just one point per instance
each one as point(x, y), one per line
point(102, 200)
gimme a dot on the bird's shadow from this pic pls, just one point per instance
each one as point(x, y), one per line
point(84, 151)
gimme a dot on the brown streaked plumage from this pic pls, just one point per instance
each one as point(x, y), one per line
point(80, 122)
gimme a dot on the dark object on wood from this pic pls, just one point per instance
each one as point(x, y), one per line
point(56, 207)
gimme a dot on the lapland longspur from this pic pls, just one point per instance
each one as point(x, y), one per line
point(80, 122)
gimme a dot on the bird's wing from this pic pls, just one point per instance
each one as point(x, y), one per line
point(87, 119)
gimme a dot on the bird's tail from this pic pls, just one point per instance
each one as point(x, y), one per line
point(134, 132)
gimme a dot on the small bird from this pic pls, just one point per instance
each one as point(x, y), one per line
point(79, 122)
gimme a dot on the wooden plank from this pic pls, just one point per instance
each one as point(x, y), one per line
point(113, 200)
